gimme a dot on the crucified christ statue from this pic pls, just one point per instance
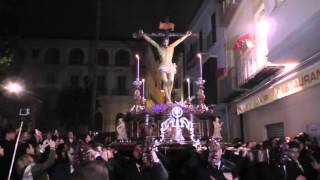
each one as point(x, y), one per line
point(167, 68)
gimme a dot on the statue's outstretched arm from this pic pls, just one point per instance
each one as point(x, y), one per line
point(149, 40)
point(177, 42)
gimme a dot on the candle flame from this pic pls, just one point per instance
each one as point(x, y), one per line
point(199, 55)
point(142, 80)
point(137, 56)
point(188, 79)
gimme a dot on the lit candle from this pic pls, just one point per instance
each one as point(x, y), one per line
point(200, 63)
point(143, 88)
point(188, 81)
point(138, 64)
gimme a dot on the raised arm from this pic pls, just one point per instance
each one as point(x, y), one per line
point(177, 42)
point(148, 39)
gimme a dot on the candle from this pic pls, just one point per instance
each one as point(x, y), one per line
point(200, 63)
point(143, 88)
point(188, 81)
point(138, 64)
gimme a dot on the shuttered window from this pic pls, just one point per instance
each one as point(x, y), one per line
point(275, 130)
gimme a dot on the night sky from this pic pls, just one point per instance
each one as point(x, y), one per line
point(119, 18)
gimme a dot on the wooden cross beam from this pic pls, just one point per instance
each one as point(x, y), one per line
point(166, 27)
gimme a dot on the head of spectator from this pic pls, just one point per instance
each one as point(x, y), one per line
point(10, 134)
point(25, 137)
point(91, 170)
point(1, 151)
point(294, 150)
point(137, 152)
point(215, 152)
point(24, 161)
point(37, 136)
point(71, 136)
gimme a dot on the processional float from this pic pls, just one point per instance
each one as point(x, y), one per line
point(172, 125)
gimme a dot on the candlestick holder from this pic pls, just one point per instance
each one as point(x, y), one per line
point(201, 107)
point(138, 106)
point(188, 104)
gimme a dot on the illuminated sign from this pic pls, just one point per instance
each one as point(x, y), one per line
point(296, 84)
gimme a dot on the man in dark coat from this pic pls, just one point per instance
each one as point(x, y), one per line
point(145, 168)
point(217, 168)
point(8, 147)
point(293, 169)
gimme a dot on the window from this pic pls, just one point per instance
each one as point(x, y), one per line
point(20, 56)
point(103, 58)
point(101, 84)
point(122, 58)
point(35, 53)
point(213, 28)
point(76, 57)
point(74, 81)
point(52, 56)
point(50, 79)
point(121, 83)
point(275, 130)
point(121, 87)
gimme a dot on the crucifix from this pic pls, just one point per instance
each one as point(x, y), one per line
point(167, 68)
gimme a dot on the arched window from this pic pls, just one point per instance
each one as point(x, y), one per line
point(52, 56)
point(103, 57)
point(76, 57)
point(122, 58)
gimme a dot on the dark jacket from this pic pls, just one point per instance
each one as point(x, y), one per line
point(157, 172)
point(216, 172)
point(292, 170)
point(39, 170)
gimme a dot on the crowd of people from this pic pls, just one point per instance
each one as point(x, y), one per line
point(54, 156)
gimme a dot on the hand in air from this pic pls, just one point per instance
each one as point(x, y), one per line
point(141, 32)
point(188, 33)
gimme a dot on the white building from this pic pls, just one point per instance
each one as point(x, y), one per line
point(209, 25)
point(267, 64)
point(274, 47)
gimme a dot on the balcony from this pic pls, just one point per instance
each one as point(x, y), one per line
point(229, 9)
point(261, 75)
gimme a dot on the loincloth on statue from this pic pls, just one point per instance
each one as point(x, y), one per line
point(168, 68)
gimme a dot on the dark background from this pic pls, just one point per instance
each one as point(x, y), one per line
point(77, 18)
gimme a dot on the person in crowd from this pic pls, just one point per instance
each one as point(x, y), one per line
point(145, 166)
point(217, 168)
point(8, 144)
point(36, 137)
point(28, 168)
point(84, 147)
point(62, 169)
point(93, 170)
point(72, 140)
point(306, 156)
point(1, 152)
point(293, 169)
point(25, 137)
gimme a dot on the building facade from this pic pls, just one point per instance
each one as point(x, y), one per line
point(210, 43)
point(273, 49)
point(53, 66)
point(267, 65)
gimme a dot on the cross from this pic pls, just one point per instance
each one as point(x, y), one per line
point(166, 27)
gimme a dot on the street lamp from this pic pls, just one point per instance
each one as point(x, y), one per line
point(14, 87)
